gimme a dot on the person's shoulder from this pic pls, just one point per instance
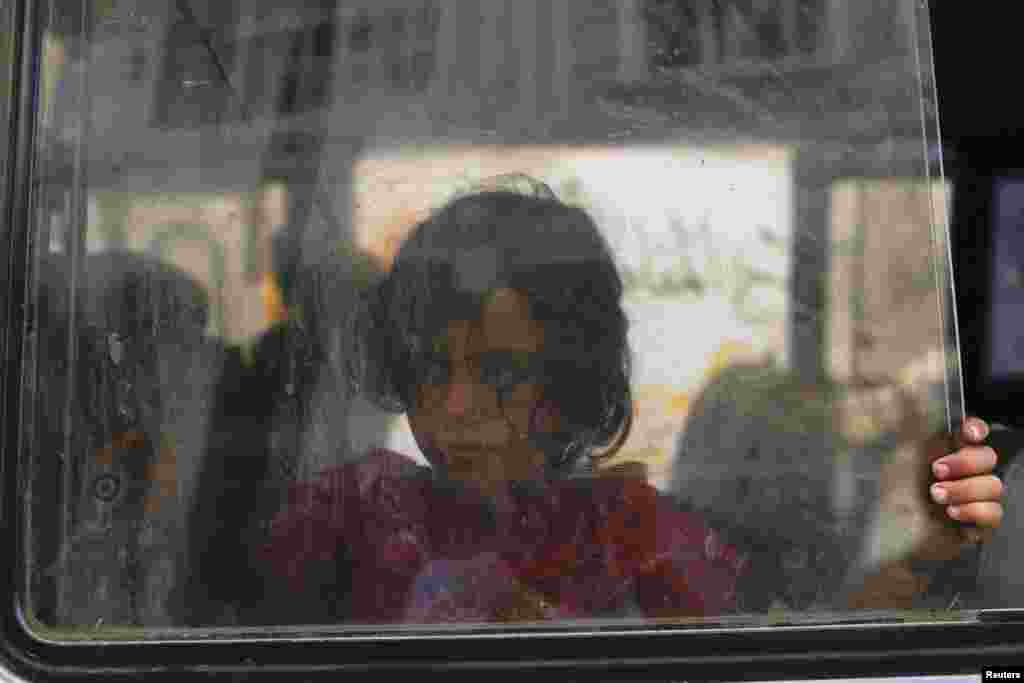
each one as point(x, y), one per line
point(611, 494)
point(364, 478)
point(622, 481)
point(383, 463)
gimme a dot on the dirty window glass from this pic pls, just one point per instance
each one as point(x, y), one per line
point(486, 315)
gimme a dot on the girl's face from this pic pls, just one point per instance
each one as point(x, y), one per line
point(479, 391)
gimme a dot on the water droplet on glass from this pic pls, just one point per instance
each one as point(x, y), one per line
point(126, 412)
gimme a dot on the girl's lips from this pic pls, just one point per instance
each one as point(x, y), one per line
point(459, 456)
point(473, 462)
point(465, 447)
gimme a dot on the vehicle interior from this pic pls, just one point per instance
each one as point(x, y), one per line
point(587, 340)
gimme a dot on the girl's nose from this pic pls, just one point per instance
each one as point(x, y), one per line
point(460, 392)
point(457, 399)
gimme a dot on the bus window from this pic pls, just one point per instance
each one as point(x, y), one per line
point(380, 321)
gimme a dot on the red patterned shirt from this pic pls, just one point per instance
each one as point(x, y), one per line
point(419, 550)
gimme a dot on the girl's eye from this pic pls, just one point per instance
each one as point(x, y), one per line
point(504, 370)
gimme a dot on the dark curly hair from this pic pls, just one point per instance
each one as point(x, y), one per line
point(548, 251)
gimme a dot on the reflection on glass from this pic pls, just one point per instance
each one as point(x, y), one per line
point(665, 356)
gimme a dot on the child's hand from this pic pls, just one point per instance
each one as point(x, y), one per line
point(965, 486)
point(916, 521)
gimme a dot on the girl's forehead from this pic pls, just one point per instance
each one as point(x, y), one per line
point(503, 321)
